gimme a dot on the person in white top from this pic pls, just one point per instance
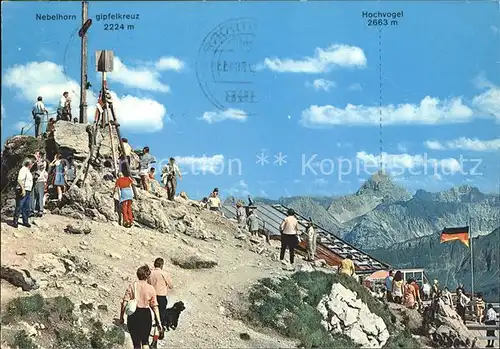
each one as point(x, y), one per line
point(63, 107)
point(491, 319)
point(289, 229)
point(462, 302)
point(38, 112)
point(23, 193)
point(169, 178)
point(214, 203)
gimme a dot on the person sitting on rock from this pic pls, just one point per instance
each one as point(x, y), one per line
point(70, 171)
point(59, 179)
point(145, 163)
point(126, 193)
point(140, 322)
point(347, 266)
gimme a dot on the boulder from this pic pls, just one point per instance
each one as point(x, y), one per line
point(343, 313)
point(48, 263)
point(18, 277)
point(193, 262)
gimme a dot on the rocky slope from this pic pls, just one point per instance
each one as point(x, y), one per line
point(450, 262)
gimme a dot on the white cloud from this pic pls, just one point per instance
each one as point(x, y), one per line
point(239, 189)
point(463, 143)
point(169, 63)
point(355, 87)
point(488, 102)
point(321, 84)
point(434, 145)
point(129, 110)
point(48, 80)
point(397, 164)
point(429, 111)
point(322, 61)
point(144, 78)
point(229, 114)
point(201, 165)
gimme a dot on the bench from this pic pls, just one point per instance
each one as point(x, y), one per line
point(483, 327)
point(488, 338)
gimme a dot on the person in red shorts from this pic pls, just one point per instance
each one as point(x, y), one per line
point(126, 193)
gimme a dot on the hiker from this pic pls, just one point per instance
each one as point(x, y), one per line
point(289, 230)
point(151, 179)
point(59, 179)
point(23, 194)
point(38, 112)
point(397, 287)
point(128, 152)
point(426, 290)
point(435, 289)
point(169, 177)
point(491, 320)
point(409, 295)
point(462, 302)
point(347, 266)
point(311, 241)
point(162, 283)
point(145, 162)
point(447, 296)
point(63, 109)
point(70, 171)
point(418, 298)
point(388, 285)
point(214, 203)
point(40, 180)
point(140, 322)
point(240, 215)
point(253, 223)
point(480, 307)
point(126, 194)
point(50, 143)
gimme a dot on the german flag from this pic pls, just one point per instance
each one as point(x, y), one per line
point(460, 234)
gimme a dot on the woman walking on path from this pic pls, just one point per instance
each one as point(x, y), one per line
point(140, 322)
point(126, 194)
point(59, 179)
point(289, 229)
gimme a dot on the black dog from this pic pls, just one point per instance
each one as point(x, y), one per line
point(172, 316)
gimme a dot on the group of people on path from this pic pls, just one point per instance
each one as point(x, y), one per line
point(150, 293)
point(37, 180)
point(403, 292)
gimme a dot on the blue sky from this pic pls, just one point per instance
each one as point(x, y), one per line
point(317, 86)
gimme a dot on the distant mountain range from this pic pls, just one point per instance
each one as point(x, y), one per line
point(382, 213)
point(387, 221)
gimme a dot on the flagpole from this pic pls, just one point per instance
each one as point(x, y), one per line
point(471, 259)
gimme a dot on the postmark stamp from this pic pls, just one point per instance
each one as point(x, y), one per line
point(226, 65)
